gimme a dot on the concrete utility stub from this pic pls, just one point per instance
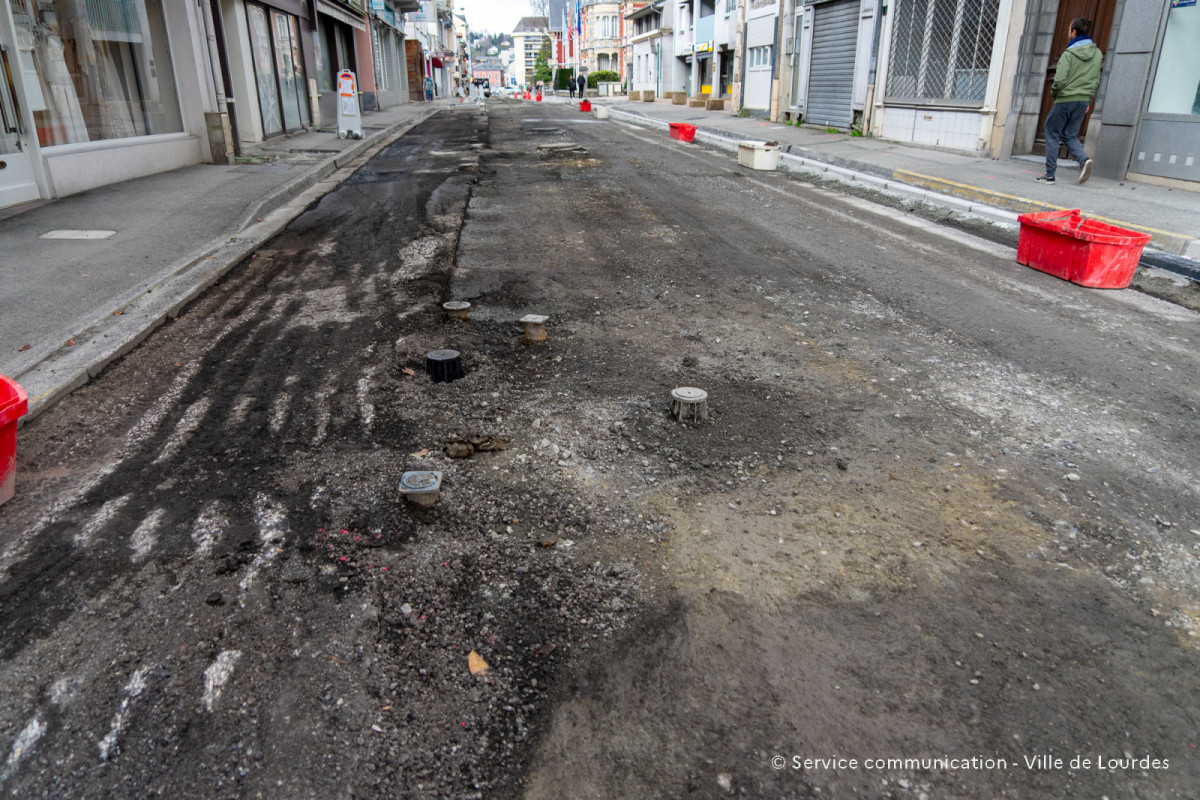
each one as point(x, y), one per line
point(422, 487)
point(689, 403)
point(535, 327)
point(444, 365)
point(457, 309)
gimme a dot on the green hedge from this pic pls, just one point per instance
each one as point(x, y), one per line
point(604, 75)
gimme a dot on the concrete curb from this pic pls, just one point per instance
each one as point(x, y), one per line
point(106, 337)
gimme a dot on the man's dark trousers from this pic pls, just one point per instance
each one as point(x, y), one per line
point(1063, 124)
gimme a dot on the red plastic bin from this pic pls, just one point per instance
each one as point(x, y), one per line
point(1083, 251)
point(585, 106)
point(14, 404)
point(683, 132)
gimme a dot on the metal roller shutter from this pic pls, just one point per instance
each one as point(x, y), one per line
point(831, 75)
point(760, 32)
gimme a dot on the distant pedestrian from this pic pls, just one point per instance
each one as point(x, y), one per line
point(1075, 82)
point(571, 86)
point(428, 89)
point(582, 84)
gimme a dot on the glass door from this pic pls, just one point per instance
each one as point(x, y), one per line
point(264, 70)
point(17, 181)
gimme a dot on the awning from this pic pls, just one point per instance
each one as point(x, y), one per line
point(341, 15)
point(437, 62)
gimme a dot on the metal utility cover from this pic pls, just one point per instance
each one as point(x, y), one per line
point(76, 234)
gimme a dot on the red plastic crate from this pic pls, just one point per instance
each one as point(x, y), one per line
point(683, 132)
point(1084, 251)
point(585, 106)
point(14, 404)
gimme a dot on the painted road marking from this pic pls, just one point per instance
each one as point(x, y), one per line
point(143, 539)
point(217, 675)
point(365, 407)
point(208, 527)
point(323, 412)
point(135, 686)
point(25, 740)
point(100, 519)
point(186, 426)
point(271, 518)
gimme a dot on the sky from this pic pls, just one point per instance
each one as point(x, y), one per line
point(493, 16)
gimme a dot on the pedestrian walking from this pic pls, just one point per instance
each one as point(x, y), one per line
point(428, 89)
point(571, 86)
point(582, 84)
point(1075, 82)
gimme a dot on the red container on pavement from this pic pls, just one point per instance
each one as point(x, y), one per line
point(585, 106)
point(683, 132)
point(14, 404)
point(1084, 251)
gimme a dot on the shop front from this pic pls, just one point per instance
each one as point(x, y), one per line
point(1168, 138)
point(278, 66)
point(89, 95)
point(338, 27)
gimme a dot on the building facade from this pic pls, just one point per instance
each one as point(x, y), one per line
point(527, 43)
point(600, 48)
point(706, 37)
point(652, 48)
point(97, 92)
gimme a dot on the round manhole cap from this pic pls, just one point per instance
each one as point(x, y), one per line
point(535, 319)
point(689, 394)
point(442, 355)
point(456, 305)
point(420, 480)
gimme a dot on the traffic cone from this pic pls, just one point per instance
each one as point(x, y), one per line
point(539, 99)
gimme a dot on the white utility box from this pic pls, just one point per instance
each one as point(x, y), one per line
point(758, 155)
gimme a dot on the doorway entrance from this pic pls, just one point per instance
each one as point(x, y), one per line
point(17, 181)
point(1100, 12)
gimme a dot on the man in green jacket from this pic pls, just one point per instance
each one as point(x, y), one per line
point(1075, 82)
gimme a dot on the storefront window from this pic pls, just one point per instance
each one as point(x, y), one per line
point(1177, 81)
point(287, 61)
point(942, 50)
point(278, 69)
point(321, 52)
point(103, 68)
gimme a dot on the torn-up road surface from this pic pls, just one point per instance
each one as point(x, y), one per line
point(941, 521)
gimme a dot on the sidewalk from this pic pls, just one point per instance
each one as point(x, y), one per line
point(1171, 216)
point(168, 237)
point(174, 234)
